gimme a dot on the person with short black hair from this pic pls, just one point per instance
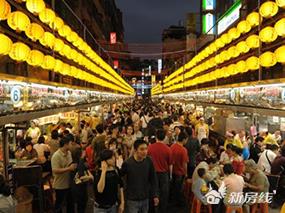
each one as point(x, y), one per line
point(267, 157)
point(53, 142)
point(200, 186)
point(180, 160)
point(161, 156)
point(141, 180)
point(106, 185)
point(7, 203)
point(234, 184)
point(61, 163)
point(29, 153)
point(227, 155)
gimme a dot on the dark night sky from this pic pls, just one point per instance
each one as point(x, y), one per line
point(144, 20)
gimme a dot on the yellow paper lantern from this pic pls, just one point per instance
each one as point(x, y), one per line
point(280, 3)
point(234, 33)
point(242, 47)
point(280, 27)
point(253, 41)
point(241, 67)
point(58, 65)
point(35, 6)
point(57, 23)
point(267, 59)
point(280, 54)
point(252, 63)
point(234, 52)
point(58, 45)
point(233, 69)
point(48, 40)
point(225, 55)
point(219, 43)
point(268, 9)
point(66, 50)
point(243, 27)
point(64, 31)
point(34, 31)
point(226, 39)
point(18, 21)
point(47, 16)
point(35, 58)
point(72, 37)
point(48, 62)
point(253, 19)
point(78, 43)
point(19, 51)
point(6, 44)
point(5, 10)
point(268, 34)
point(65, 69)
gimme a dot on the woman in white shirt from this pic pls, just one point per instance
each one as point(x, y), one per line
point(267, 157)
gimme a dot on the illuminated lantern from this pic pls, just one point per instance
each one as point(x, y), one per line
point(48, 62)
point(253, 41)
point(241, 67)
point(47, 40)
point(58, 65)
point(65, 69)
point(5, 10)
point(6, 44)
point(242, 47)
point(268, 34)
point(35, 58)
point(226, 39)
point(213, 47)
point(280, 27)
point(65, 51)
point(234, 33)
point(225, 55)
point(219, 59)
point(233, 69)
point(58, 45)
point(35, 6)
point(34, 31)
point(268, 9)
point(57, 23)
point(234, 52)
point(253, 19)
point(267, 59)
point(64, 31)
point(252, 63)
point(280, 3)
point(19, 51)
point(219, 43)
point(280, 54)
point(47, 16)
point(72, 37)
point(78, 42)
point(243, 27)
point(18, 21)
point(73, 71)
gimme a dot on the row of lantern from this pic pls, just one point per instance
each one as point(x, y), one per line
point(156, 90)
point(267, 10)
point(19, 51)
point(267, 59)
point(18, 21)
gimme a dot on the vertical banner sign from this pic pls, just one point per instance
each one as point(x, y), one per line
point(149, 70)
point(208, 17)
point(113, 38)
point(116, 64)
point(159, 65)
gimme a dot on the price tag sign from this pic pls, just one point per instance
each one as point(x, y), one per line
point(15, 94)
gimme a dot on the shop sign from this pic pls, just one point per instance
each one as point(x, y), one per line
point(15, 94)
point(208, 23)
point(113, 38)
point(208, 4)
point(229, 17)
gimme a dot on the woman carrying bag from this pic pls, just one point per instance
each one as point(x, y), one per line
point(107, 184)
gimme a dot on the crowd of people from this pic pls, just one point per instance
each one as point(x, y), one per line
point(141, 156)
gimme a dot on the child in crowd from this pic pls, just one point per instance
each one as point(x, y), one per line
point(199, 187)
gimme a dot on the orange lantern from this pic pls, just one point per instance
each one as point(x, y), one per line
point(6, 44)
point(47, 16)
point(5, 10)
point(35, 6)
point(48, 40)
point(18, 21)
point(48, 62)
point(34, 31)
point(58, 45)
point(19, 51)
point(57, 23)
point(64, 31)
point(35, 58)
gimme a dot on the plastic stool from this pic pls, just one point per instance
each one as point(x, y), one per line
point(237, 209)
point(262, 206)
point(196, 206)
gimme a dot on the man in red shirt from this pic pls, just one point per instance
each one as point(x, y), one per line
point(162, 160)
point(180, 161)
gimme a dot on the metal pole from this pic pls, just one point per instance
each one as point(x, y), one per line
point(260, 46)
